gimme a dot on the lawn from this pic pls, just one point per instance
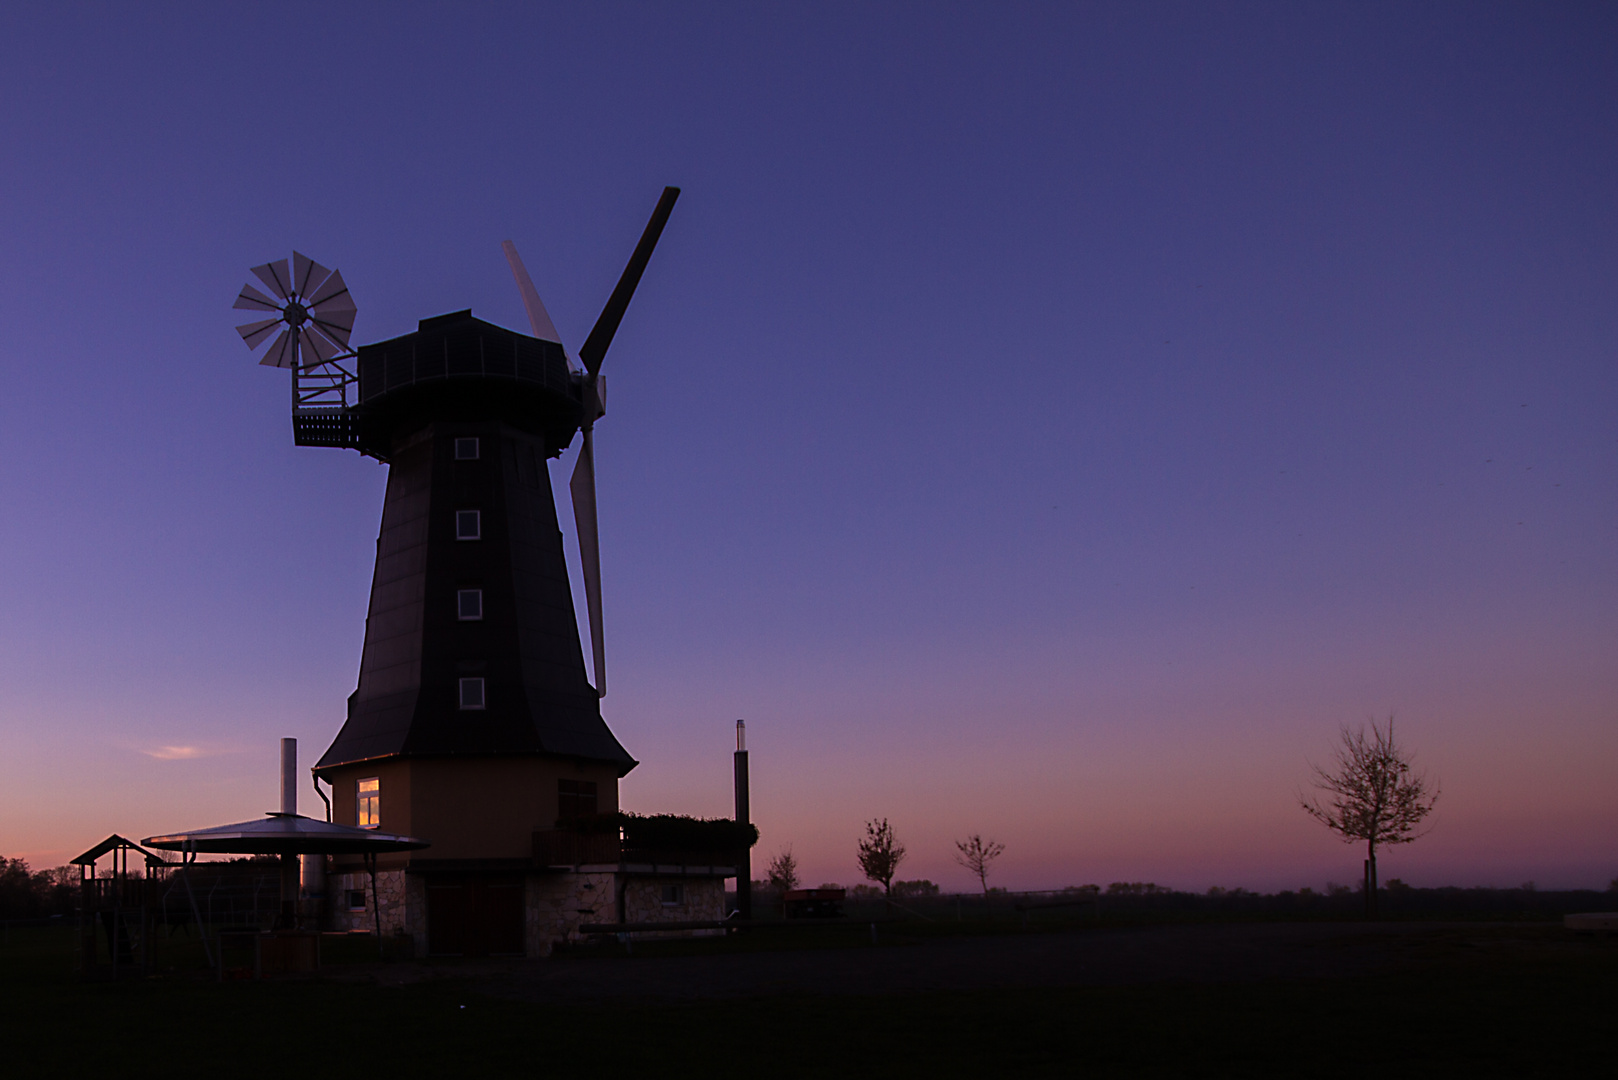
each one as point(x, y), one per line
point(1494, 1001)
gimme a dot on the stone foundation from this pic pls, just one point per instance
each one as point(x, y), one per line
point(646, 900)
point(554, 905)
point(557, 903)
point(401, 896)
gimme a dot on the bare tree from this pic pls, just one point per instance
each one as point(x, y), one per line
point(976, 853)
point(880, 854)
point(1373, 794)
point(783, 871)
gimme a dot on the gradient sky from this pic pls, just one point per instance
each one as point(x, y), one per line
point(1044, 420)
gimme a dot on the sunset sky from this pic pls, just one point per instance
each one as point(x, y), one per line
point(1048, 421)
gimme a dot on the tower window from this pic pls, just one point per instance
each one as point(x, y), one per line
point(469, 604)
point(368, 804)
point(466, 449)
point(468, 525)
point(673, 895)
point(575, 799)
point(472, 693)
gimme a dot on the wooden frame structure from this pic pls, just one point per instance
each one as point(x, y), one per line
point(123, 904)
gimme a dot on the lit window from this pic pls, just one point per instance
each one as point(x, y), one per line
point(468, 525)
point(469, 604)
point(466, 449)
point(673, 895)
point(472, 693)
point(368, 807)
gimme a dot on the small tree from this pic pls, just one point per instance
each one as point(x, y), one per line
point(783, 872)
point(880, 854)
point(1373, 795)
point(976, 854)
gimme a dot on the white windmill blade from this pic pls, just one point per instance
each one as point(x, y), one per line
point(583, 486)
point(307, 275)
point(332, 294)
point(253, 300)
point(538, 318)
point(274, 274)
point(254, 333)
point(284, 352)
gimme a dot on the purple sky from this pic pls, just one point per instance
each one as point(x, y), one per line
point(1048, 421)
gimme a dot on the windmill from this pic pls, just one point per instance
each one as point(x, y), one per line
point(474, 723)
point(312, 308)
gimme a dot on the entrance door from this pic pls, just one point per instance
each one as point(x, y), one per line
point(474, 916)
point(446, 917)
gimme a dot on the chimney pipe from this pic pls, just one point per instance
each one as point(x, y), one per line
point(289, 776)
point(289, 862)
point(744, 857)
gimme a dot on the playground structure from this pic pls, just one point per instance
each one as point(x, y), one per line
point(120, 906)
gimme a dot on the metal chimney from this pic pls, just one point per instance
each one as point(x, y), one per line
point(744, 857)
point(289, 863)
point(289, 776)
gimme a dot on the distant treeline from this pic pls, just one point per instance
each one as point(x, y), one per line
point(1147, 900)
point(1394, 900)
point(36, 894)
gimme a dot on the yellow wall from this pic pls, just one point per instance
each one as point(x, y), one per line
point(468, 808)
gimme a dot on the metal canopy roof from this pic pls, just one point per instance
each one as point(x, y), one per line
point(286, 834)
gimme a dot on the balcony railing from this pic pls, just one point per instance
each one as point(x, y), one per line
point(564, 847)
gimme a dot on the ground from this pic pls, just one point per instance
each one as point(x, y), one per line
point(1326, 998)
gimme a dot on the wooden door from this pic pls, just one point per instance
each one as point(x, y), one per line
point(446, 917)
point(475, 916)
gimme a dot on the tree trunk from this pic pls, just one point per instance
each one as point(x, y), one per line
point(1370, 885)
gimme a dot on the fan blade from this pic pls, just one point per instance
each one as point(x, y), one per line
point(282, 353)
point(253, 300)
point(337, 329)
point(316, 345)
point(538, 317)
point(274, 275)
point(307, 274)
point(595, 346)
point(335, 339)
point(583, 486)
point(335, 315)
point(254, 333)
point(333, 293)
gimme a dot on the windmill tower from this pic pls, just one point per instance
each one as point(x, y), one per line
point(474, 723)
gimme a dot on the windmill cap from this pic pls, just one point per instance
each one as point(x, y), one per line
point(444, 320)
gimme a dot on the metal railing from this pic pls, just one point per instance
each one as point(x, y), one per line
point(324, 387)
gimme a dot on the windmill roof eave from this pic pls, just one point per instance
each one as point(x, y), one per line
point(623, 764)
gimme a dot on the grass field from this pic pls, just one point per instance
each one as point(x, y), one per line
point(1488, 1001)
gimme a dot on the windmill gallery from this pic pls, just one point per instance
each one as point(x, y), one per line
point(474, 732)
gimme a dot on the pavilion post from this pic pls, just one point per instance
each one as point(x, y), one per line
point(196, 915)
